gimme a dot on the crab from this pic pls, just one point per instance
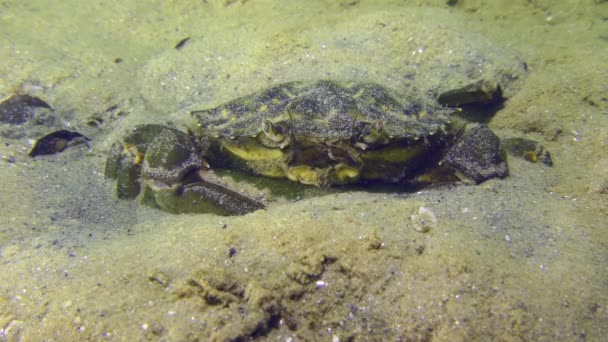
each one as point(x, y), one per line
point(324, 133)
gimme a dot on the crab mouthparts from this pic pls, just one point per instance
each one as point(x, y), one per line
point(321, 163)
point(305, 160)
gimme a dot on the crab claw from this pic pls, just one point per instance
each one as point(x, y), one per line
point(159, 166)
point(477, 155)
point(205, 197)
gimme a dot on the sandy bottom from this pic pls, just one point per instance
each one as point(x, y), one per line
point(522, 258)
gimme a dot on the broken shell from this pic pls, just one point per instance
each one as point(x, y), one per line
point(424, 220)
point(19, 108)
point(57, 142)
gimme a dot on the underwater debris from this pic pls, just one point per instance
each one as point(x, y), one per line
point(19, 108)
point(181, 43)
point(529, 150)
point(57, 142)
point(424, 220)
point(480, 92)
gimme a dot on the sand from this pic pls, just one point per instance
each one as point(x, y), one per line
point(523, 258)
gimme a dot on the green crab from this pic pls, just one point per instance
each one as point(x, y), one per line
point(323, 133)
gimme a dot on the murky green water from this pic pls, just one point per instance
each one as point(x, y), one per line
point(516, 259)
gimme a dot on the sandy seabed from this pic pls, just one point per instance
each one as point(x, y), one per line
point(518, 259)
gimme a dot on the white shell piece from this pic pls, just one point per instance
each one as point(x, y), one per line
point(424, 220)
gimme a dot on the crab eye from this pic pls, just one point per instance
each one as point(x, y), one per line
point(267, 127)
point(377, 135)
point(378, 127)
point(274, 134)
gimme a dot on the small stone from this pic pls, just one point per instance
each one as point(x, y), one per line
point(424, 220)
